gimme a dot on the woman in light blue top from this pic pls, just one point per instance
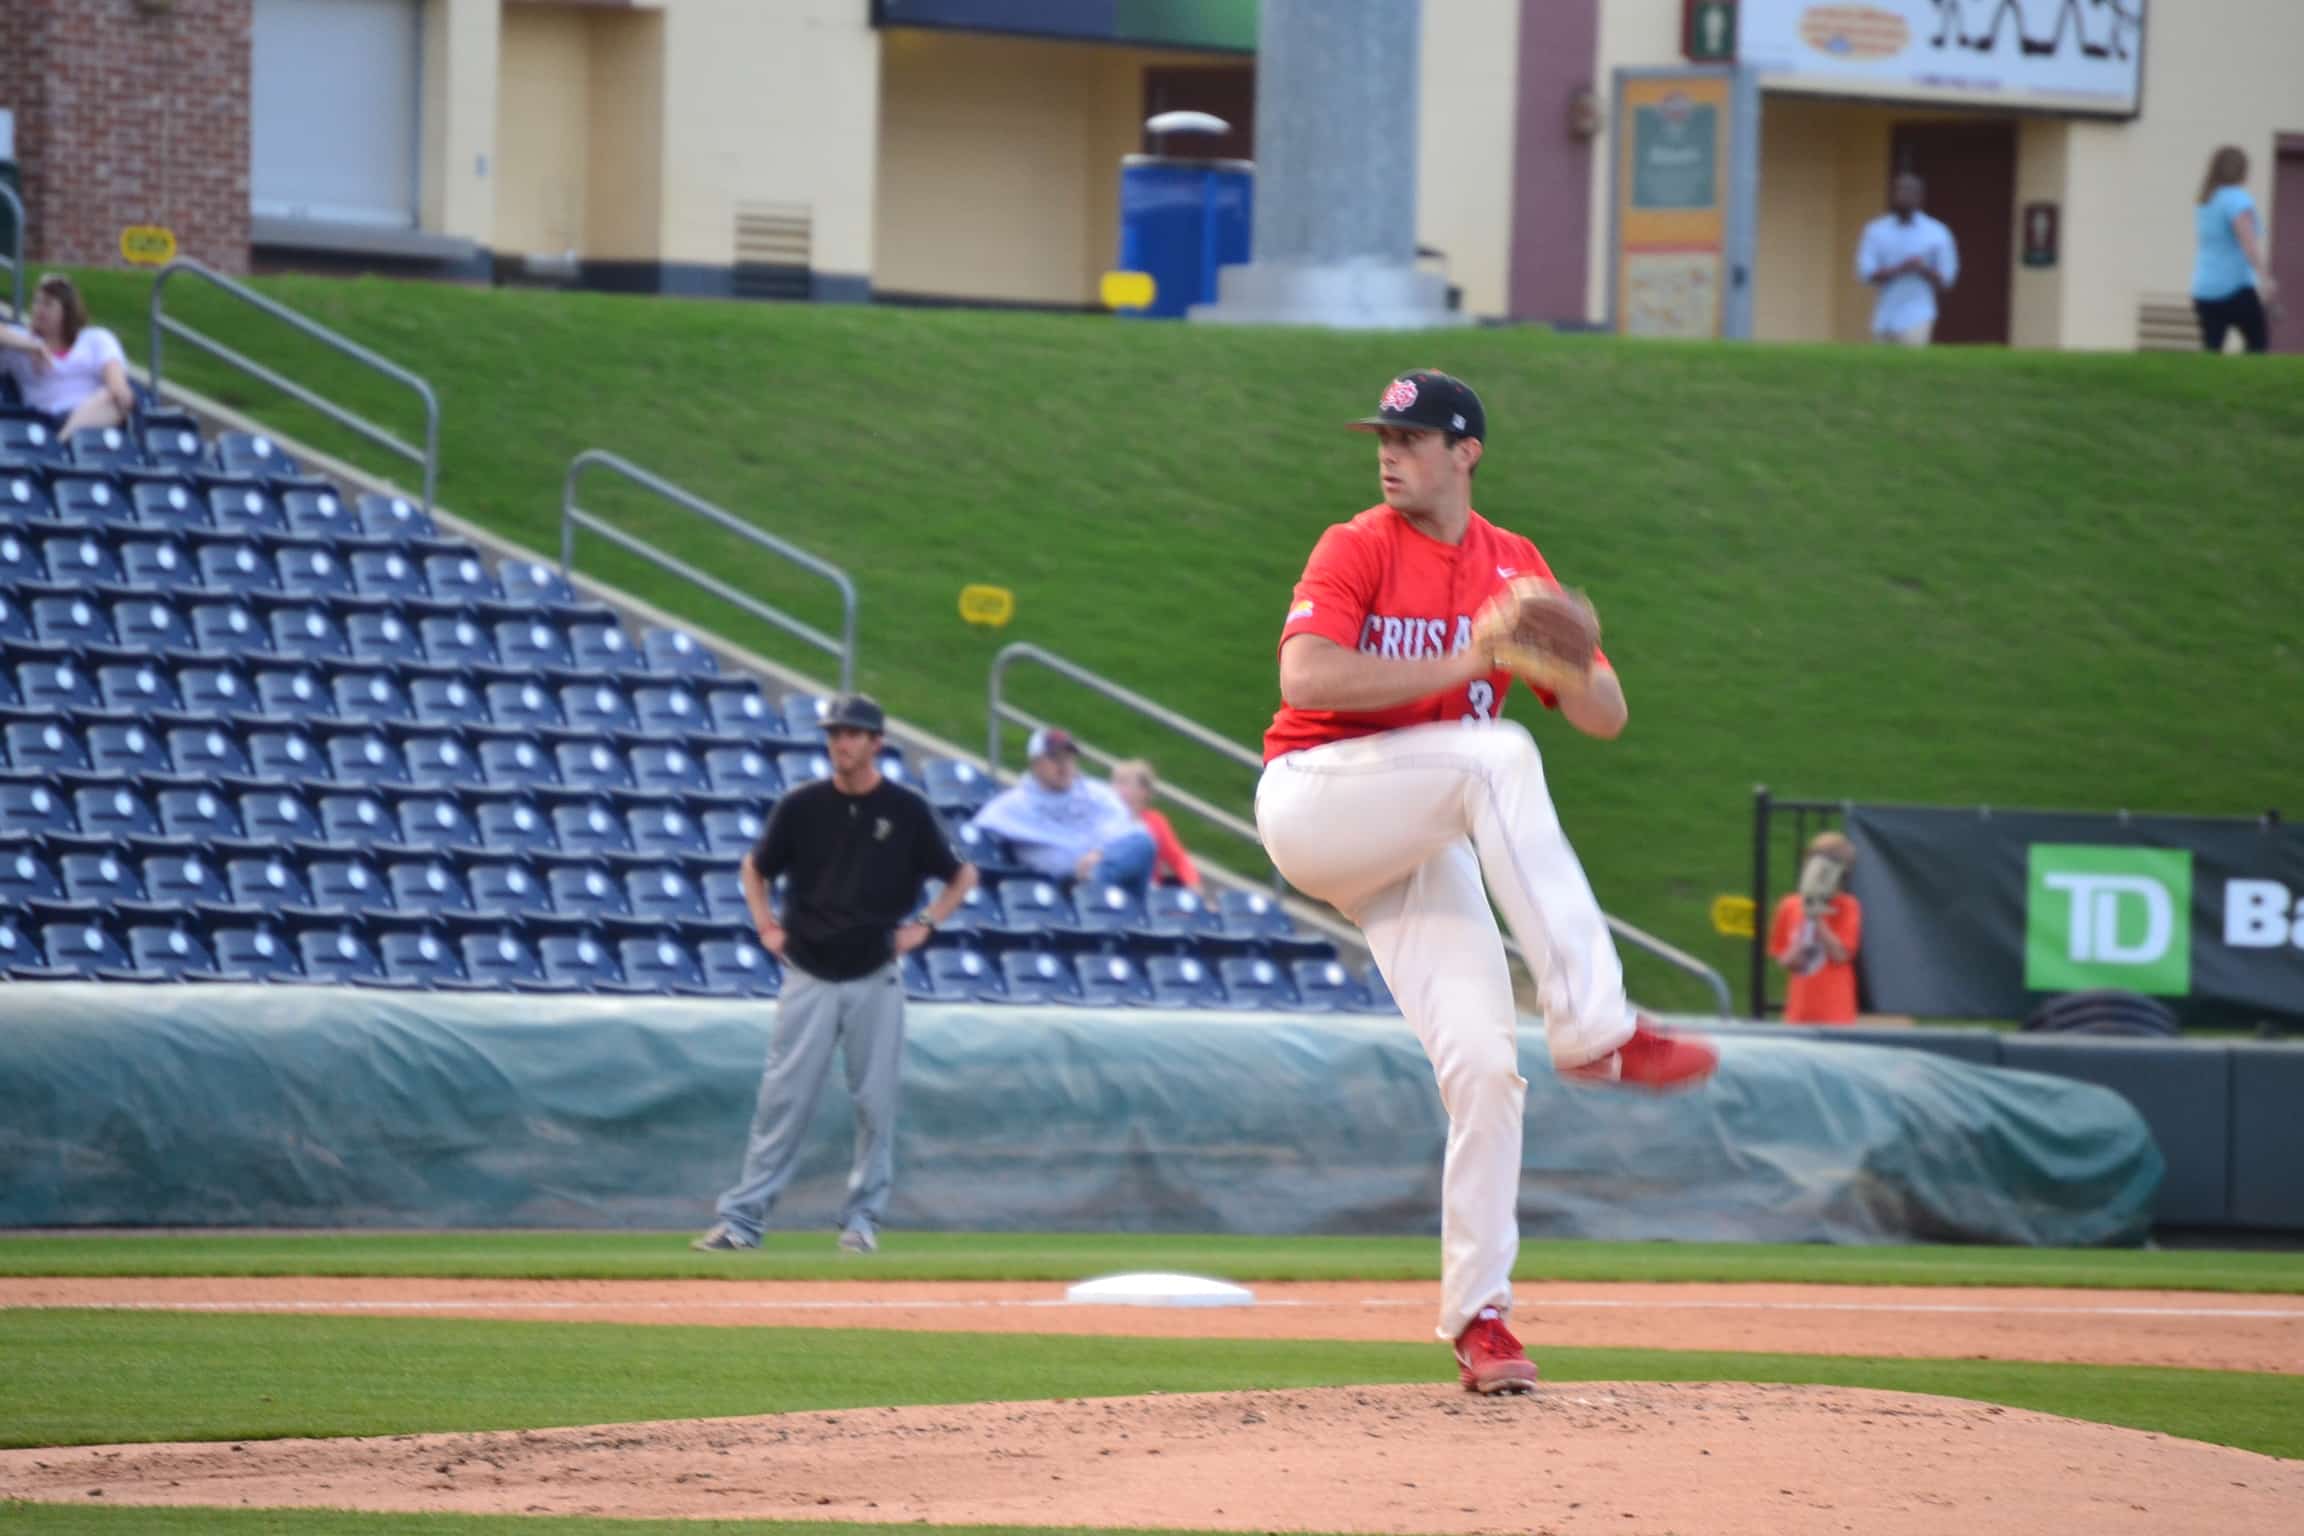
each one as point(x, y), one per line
point(2231, 282)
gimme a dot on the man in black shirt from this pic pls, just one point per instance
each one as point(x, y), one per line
point(853, 850)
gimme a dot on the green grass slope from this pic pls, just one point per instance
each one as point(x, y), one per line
point(1953, 576)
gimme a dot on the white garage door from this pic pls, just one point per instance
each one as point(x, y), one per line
point(334, 104)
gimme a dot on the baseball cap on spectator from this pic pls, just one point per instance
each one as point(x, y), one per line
point(1048, 741)
point(856, 712)
point(1429, 401)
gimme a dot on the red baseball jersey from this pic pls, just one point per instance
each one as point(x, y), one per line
point(1380, 586)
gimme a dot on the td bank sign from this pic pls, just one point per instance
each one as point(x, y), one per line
point(2108, 917)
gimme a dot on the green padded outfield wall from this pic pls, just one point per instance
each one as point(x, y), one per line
point(293, 1106)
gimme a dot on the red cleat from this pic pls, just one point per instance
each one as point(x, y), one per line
point(1653, 1059)
point(1492, 1360)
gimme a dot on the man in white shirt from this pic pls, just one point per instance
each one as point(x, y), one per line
point(1913, 261)
point(1066, 825)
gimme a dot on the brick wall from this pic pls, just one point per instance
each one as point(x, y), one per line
point(130, 112)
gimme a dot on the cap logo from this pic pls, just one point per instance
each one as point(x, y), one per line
point(1457, 421)
point(1400, 395)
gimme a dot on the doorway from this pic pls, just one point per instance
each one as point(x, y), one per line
point(1970, 169)
point(2287, 234)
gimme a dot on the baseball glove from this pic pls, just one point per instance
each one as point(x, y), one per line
point(1542, 633)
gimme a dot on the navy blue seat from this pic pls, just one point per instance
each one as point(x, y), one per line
point(586, 890)
point(228, 628)
point(737, 709)
point(362, 694)
point(311, 570)
point(54, 685)
point(314, 510)
point(150, 624)
point(18, 949)
point(429, 820)
point(991, 856)
point(590, 827)
point(506, 886)
point(661, 893)
point(979, 909)
point(724, 896)
point(19, 558)
point(528, 704)
point(1113, 981)
point(21, 438)
point(198, 813)
point(516, 762)
point(296, 692)
point(455, 641)
point(1173, 910)
point(427, 885)
point(665, 769)
point(446, 701)
point(1108, 909)
point(277, 816)
point(393, 517)
point(46, 743)
point(167, 504)
point(244, 507)
point(347, 883)
point(169, 949)
point(354, 816)
point(83, 947)
point(337, 952)
point(532, 581)
point(419, 959)
point(1255, 982)
point(676, 650)
point(103, 878)
point(252, 453)
point(531, 643)
point(381, 637)
point(172, 442)
point(126, 747)
point(666, 831)
point(71, 621)
point(1183, 981)
point(310, 631)
point(802, 711)
point(135, 686)
point(951, 785)
point(798, 768)
point(112, 808)
point(457, 577)
point(284, 752)
point(387, 573)
point(513, 826)
point(95, 446)
point(956, 974)
point(660, 965)
point(437, 759)
point(731, 830)
point(667, 709)
point(599, 646)
point(592, 764)
point(1029, 901)
point(252, 951)
point(596, 707)
point(269, 883)
point(182, 880)
point(500, 959)
point(79, 560)
point(742, 771)
point(365, 757)
point(1038, 976)
point(740, 966)
point(15, 621)
point(23, 496)
point(1328, 985)
point(207, 751)
point(25, 876)
point(1253, 914)
point(578, 960)
point(90, 497)
point(157, 562)
point(235, 565)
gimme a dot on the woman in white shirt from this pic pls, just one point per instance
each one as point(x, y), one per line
point(73, 371)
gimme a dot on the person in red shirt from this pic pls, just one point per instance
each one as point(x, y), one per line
point(1393, 788)
point(1815, 935)
point(1133, 781)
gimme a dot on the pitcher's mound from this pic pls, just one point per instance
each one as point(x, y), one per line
point(1639, 1459)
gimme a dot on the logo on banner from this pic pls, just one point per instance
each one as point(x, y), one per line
point(2108, 917)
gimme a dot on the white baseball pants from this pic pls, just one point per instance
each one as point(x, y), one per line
point(1396, 831)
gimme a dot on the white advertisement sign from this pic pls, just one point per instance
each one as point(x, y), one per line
point(2076, 55)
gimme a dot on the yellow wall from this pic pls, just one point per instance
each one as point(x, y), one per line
point(1634, 34)
point(544, 59)
point(999, 170)
point(2036, 294)
point(1468, 87)
point(624, 181)
point(456, 171)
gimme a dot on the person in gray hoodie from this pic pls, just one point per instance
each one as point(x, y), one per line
point(1065, 825)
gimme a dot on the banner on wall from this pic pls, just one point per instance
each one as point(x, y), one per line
point(1980, 913)
point(1673, 164)
point(2082, 56)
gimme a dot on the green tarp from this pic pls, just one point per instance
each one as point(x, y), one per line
point(205, 1106)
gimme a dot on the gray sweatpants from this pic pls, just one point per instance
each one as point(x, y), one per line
point(865, 1019)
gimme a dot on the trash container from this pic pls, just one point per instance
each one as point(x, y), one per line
point(1180, 220)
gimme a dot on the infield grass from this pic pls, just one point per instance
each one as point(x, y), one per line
point(84, 1377)
point(1064, 1257)
point(1959, 576)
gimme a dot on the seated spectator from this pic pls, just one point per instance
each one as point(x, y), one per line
point(1815, 935)
point(1134, 783)
point(1064, 825)
point(73, 371)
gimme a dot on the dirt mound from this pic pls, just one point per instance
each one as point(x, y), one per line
point(1642, 1459)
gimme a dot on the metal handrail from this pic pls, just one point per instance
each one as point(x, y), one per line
point(573, 517)
point(15, 257)
point(427, 458)
point(998, 712)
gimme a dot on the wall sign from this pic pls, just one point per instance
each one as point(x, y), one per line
point(1672, 172)
point(2082, 56)
point(2041, 221)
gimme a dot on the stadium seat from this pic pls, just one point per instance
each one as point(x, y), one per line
point(25, 876)
point(525, 704)
point(419, 959)
point(660, 965)
point(316, 511)
point(167, 504)
point(23, 495)
point(667, 709)
point(386, 573)
point(235, 565)
point(1253, 914)
point(989, 854)
point(515, 762)
point(199, 813)
point(662, 769)
point(661, 893)
point(170, 950)
point(309, 631)
point(506, 887)
point(1030, 903)
point(90, 497)
point(78, 560)
point(172, 442)
point(311, 570)
point(600, 646)
point(373, 696)
point(157, 562)
point(15, 621)
point(956, 974)
point(677, 651)
point(578, 960)
point(394, 517)
point(1328, 986)
point(1108, 909)
point(585, 890)
point(426, 885)
point(732, 831)
point(365, 757)
point(455, 641)
point(737, 709)
point(513, 826)
point(438, 760)
point(292, 691)
point(54, 685)
point(531, 644)
point(103, 878)
point(213, 688)
point(724, 895)
point(82, 947)
point(1254, 982)
point(29, 807)
point(798, 768)
point(112, 808)
point(431, 820)
point(337, 952)
point(18, 951)
point(445, 701)
point(596, 707)
point(136, 687)
point(740, 966)
point(1183, 981)
point(346, 884)
point(182, 880)
point(502, 959)
point(70, 621)
point(19, 558)
point(1171, 910)
point(1113, 981)
point(252, 951)
point(284, 752)
point(353, 816)
point(459, 578)
point(277, 816)
point(381, 637)
point(532, 581)
point(125, 747)
point(94, 446)
point(665, 831)
point(742, 771)
point(979, 909)
point(252, 453)
point(32, 440)
point(148, 624)
point(244, 507)
point(46, 743)
point(1039, 977)
point(226, 628)
point(801, 712)
point(591, 764)
point(266, 883)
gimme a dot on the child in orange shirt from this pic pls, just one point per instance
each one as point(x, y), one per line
point(1133, 782)
point(1815, 935)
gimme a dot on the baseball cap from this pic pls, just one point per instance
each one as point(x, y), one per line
point(1430, 400)
point(857, 711)
point(1048, 741)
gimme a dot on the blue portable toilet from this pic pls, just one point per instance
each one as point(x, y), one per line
point(1181, 219)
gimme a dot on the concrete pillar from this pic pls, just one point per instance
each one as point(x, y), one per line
point(1335, 231)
